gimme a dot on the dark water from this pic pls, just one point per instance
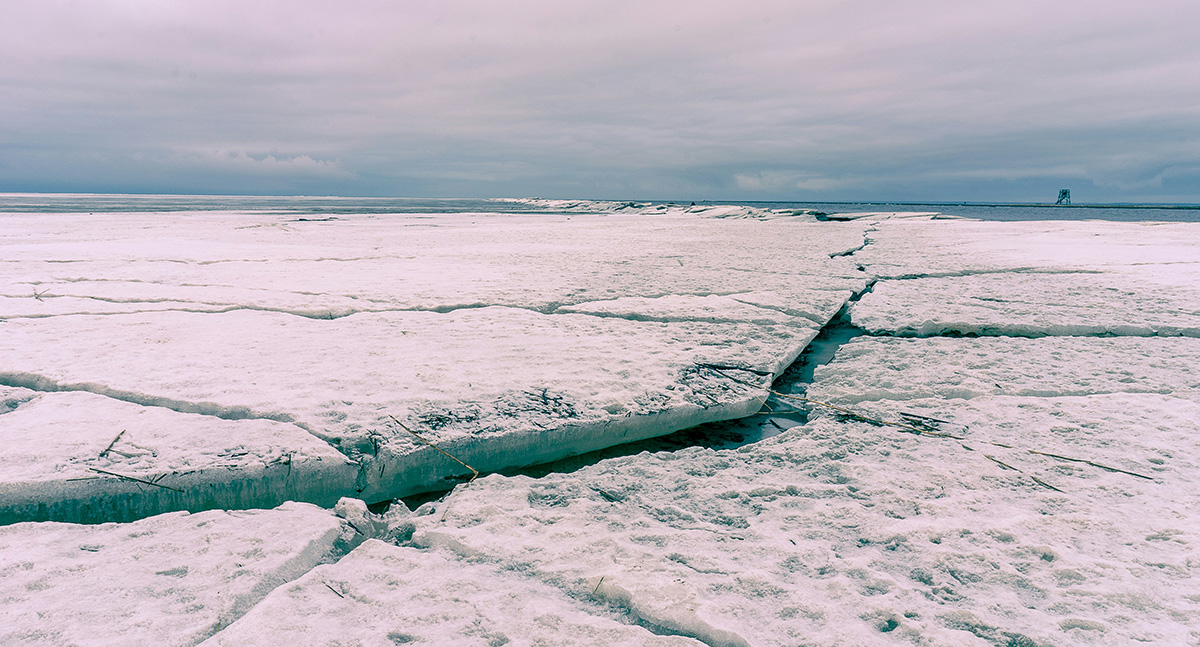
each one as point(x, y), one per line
point(316, 205)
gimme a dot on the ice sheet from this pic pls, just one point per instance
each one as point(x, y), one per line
point(536, 387)
point(56, 465)
point(382, 594)
point(843, 533)
point(169, 580)
point(215, 261)
point(1124, 302)
point(508, 339)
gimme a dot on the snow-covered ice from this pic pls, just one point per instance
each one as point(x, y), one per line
point(842, 532)
point(57, 464)
point(381, 594)
point(169, 580)
point(1036, 485)
point(1161, 252)
point(504, 338)
point(1033, 304)
point(1032, 278)
point(882, 368)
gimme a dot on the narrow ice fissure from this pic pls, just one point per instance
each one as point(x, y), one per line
point(782, 310)
point(854, 250)
point(1020, 333)
point(950, 274)
point(331, 313)
point(35, 382)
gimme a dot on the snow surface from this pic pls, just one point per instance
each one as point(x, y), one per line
point(382, 594)
point(546, 335)
point(173, 579)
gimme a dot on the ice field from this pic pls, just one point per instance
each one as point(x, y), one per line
point(1002, 451)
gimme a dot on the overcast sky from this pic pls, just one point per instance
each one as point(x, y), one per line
point(683, 100)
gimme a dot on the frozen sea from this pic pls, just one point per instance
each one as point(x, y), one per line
point(380, 421)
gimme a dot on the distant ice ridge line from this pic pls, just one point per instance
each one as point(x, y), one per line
point(648, 208)
point(44, 384)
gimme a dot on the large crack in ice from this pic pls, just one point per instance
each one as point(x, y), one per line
point(776, 416)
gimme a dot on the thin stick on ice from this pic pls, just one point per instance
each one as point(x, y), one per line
point(474, 472)
point(112, 444)
point(135, 479)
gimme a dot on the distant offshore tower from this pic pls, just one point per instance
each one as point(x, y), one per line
point(1064, 196)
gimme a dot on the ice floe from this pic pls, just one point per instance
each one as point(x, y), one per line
point(172, 579)
point(57, 466)
point(505, 338)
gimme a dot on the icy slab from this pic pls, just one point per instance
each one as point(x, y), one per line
point(505, 339)
point(1125, 302)
point(851, 534)
point(86, 458)
point(881, 368)
point(382, 594)
point(914, 248)
point(534, 387)
point(173, 579)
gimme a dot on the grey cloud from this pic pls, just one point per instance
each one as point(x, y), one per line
point(803, 100)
